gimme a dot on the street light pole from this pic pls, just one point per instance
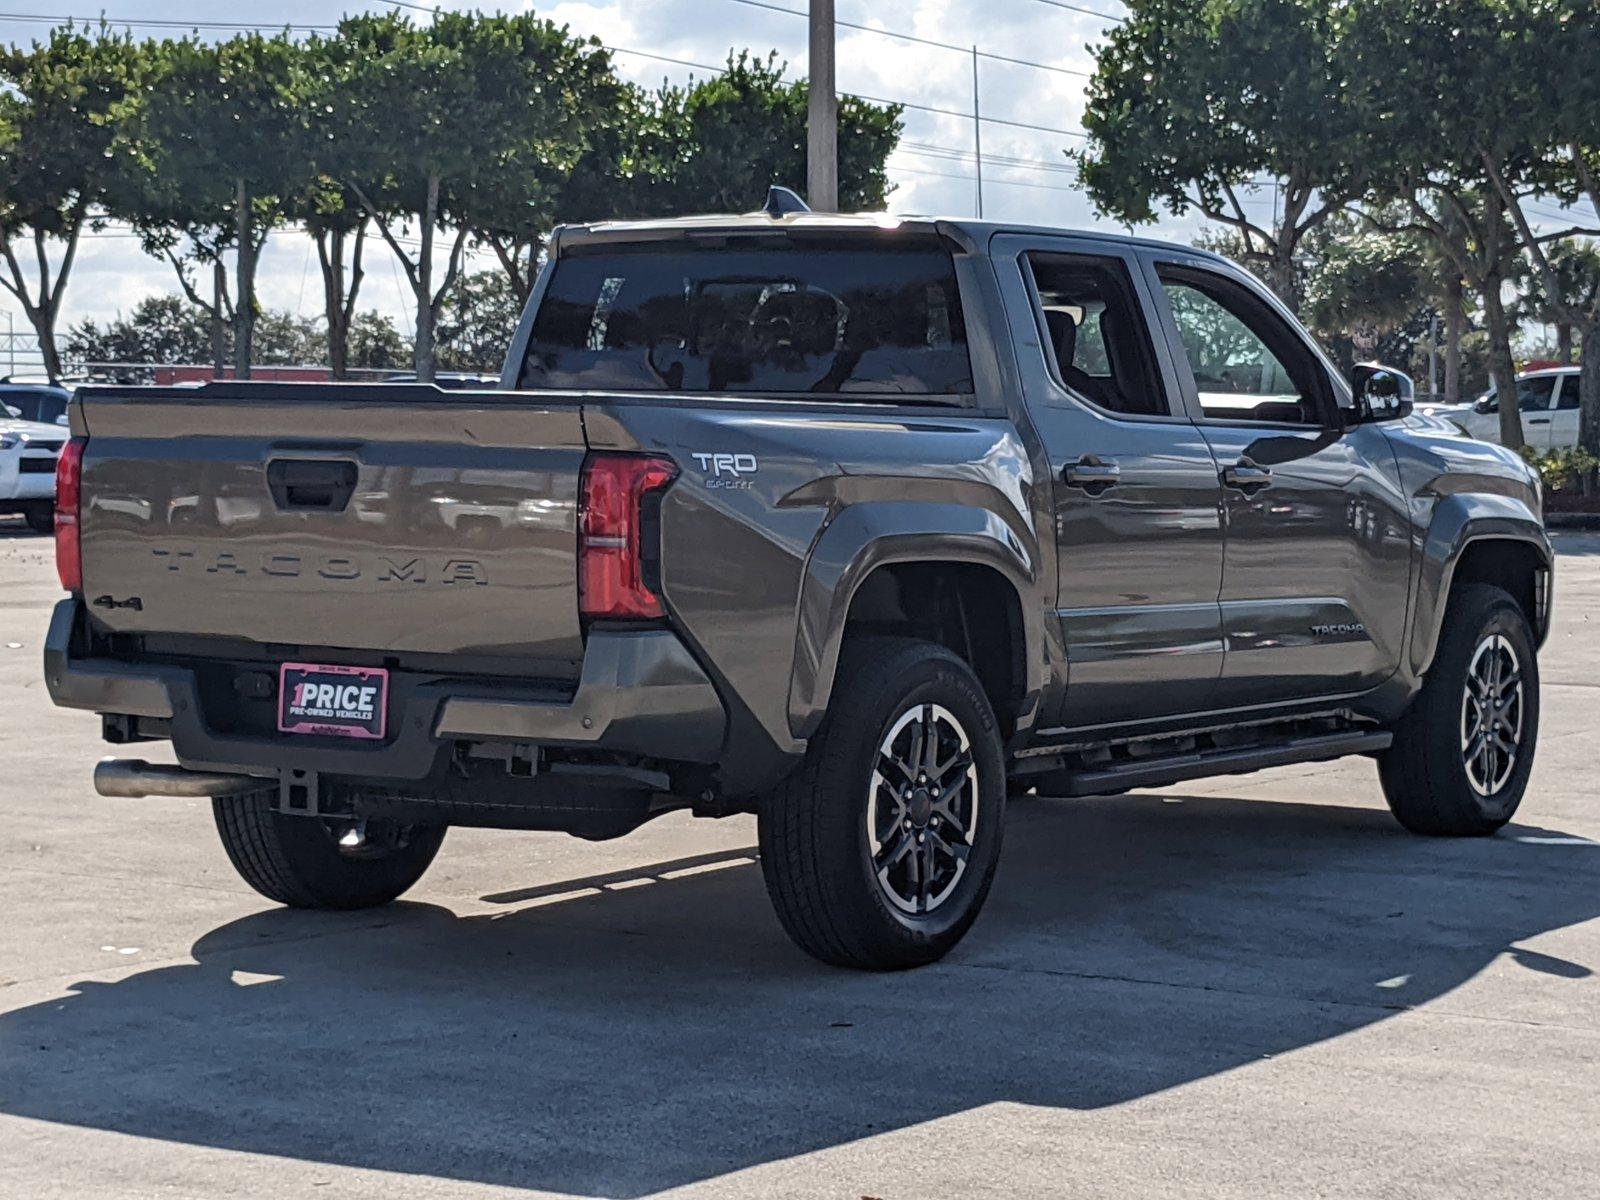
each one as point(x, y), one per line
point(822, 114)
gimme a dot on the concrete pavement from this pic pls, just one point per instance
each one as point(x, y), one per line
point(1249, 986)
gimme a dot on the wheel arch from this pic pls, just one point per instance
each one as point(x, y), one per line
point(934, 573)
point(1481, 539)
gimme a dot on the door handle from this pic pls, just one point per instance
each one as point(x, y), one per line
point(320, 485)
point(1538, 420)
point(1093, 475)
point(1246, 476)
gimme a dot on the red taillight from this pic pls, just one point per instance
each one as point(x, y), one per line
point(611, 566)
point(69, 489)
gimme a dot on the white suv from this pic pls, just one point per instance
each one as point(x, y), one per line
point(1547, 400)
point(28, 452)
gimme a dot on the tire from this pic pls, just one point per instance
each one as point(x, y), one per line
point(1430, 785)
point(41, 518)
point(817, 852)
point(298, 861)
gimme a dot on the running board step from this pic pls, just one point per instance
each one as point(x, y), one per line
point(1159, 772)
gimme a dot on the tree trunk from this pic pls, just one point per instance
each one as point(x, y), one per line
point(1502, 369)
point(333, 301)
point(425, 352)
point(219, 335)
point(44, 328)
point(42, 307)
point(1589, 389)
point(1564, 342)
point(1280, 274)
point(1453, 321)
point(244, 312)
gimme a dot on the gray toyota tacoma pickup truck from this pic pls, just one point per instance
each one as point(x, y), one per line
point(855, 523)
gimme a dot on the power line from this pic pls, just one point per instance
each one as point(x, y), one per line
point(153, 23)
point(1047, 187)
point(911, 37)
point(928, 108)
point(1078, 8)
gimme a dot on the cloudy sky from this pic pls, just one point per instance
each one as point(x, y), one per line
point(1026, 176)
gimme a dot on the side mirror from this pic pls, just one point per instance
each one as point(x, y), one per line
point(1382, 393)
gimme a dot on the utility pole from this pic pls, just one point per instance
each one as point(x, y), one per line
point(822, 114)
point(977, 132)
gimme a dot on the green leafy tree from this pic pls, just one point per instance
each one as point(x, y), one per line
point(430, 116)
point(1366, 286)
point(287, 339)
point(160, 329)
point(579, 168)
point(375, 343)
point(1548, 144)
point(1195, 101)
point(717, 145)
point(60, 106)
point(477, 321)
point(1574, 274)
point(1439, 160)
point(216, 134)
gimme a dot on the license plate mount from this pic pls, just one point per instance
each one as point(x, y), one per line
point(322, 700)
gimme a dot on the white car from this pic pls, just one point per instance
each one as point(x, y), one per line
point(1547, 400)
point(28, 453)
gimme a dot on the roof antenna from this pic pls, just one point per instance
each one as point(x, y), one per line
point(782, 201)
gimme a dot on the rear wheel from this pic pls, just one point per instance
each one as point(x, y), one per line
point(879, 851)
point(40, 516)
point(308, 862)
point(1462, 754)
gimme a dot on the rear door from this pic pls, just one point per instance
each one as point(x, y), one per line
point(1318, 545)
point(1139, 538)
point(351, 517)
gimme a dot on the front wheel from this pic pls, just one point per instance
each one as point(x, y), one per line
point(1461, 756)
point(308, 862)
point(879, 851)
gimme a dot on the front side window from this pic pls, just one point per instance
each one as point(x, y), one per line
point(1096, 334)
point(1247, 363)
point(1534, 395)
point(785, 316)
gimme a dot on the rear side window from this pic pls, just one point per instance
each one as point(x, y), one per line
point(1097, 340)
point(795, 317)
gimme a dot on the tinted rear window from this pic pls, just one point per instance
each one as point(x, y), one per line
point(772, 318)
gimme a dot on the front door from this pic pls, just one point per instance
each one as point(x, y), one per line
point(1138, 530)
point(1318, 548)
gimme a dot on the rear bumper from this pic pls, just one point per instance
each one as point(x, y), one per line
point(639, 692)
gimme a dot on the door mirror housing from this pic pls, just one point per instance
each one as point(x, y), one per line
point(1382, 393)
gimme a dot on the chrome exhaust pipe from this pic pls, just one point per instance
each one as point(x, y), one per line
point(135, 779)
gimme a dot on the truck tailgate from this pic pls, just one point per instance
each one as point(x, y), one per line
point(399, 518)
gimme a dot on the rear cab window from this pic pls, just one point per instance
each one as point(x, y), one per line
point(851, 318)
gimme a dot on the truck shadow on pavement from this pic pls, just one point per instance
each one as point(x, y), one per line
point(591, 1038)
